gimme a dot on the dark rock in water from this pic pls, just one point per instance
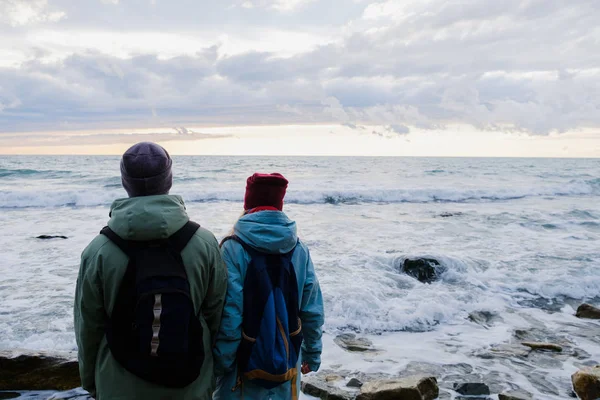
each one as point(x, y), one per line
point(484, 318)
point(349, 342)
point(354, 383)
point(515, 395)
point(472, 389)
point(46, 237)
point(588, 311)
point(411, 388)
point(449, 214)
point(9, 395)
point(426, 270)
point(586, 383)
point(543, 346)
point(25, 370)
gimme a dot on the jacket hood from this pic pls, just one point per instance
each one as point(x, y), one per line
point(147, 217)
point(267, 231)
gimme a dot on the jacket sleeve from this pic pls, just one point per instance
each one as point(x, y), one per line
point(312, 316)
point(89, 318)
point(212, 306)
point(230, 332)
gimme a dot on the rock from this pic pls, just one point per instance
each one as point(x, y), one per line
point(316, 386)
point(333, 378)
point(9, 395)
point(354, 383)
point(449, 214)
point(349, 342)
point(586, 383)
point(539, 381)
point(588, 311)
point(543, 346)
point(411, 388)
point(46, 237)
point(426, 270)
point(503, 350)
point(515, 395)
point(25, 370)
point(472, 389)
point(484, 318)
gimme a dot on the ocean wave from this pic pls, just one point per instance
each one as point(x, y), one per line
point(84, 197)
point(16, 173)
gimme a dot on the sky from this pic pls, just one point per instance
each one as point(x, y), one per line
point(301, 77)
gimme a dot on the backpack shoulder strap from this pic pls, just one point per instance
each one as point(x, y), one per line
point(180, 239)
point(116, 239)
point(249, 249)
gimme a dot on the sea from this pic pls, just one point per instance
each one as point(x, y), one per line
point(518, 240)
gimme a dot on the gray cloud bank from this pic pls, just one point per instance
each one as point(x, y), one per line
point(523, 65)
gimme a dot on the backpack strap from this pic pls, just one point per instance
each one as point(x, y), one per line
point(116, 239)
point(177, 241)
point(180, 239)
point(249, 249)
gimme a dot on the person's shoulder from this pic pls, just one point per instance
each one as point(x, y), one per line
point(207, 238)
point(98, 244)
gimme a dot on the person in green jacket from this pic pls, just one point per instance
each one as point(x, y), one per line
point(149, 213)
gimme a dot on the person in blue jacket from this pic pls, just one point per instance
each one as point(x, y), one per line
point(266, 228)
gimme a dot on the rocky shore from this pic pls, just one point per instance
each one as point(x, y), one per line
point(529, 351)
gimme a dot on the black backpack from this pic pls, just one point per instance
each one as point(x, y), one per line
point(154, 331)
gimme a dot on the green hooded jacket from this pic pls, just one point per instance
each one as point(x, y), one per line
point(103, 265)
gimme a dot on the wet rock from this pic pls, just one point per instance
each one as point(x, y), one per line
point(515, 395)
point(472, 389)
point(354, 383)
point(426, 270)
point(539, 381)
point(588, 311)
point(9, 395)
point(503, 350)
point(46, 237)
point(315, 386)
point(420, 368)
point(349, 342)
point(586, 383)
point(410, 388)
point(450, 214)
point(482, 397)
point(484, 318)
point(23, 370)
point(543, 346)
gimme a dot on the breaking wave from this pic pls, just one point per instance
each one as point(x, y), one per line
point(86, 198)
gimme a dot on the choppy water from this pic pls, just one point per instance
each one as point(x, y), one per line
point(519, 237)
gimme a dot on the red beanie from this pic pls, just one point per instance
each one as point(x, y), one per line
point(264, 190)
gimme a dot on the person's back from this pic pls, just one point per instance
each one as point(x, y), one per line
point(266, 230)
point(149, 216)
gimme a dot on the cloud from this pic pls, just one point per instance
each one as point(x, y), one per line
point(17, 13)
point(278, 5)
point(528, 66)
point(35, 140)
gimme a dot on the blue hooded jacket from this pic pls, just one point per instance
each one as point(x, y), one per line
point(274, 233)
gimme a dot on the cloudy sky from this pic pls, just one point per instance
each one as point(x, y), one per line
point(386, 77)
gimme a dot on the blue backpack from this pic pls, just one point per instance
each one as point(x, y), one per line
point(153, 330)
point(271, 329)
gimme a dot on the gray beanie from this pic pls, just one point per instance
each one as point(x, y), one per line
point(146, 170)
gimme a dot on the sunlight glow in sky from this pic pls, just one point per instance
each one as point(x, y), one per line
point(301, 77)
